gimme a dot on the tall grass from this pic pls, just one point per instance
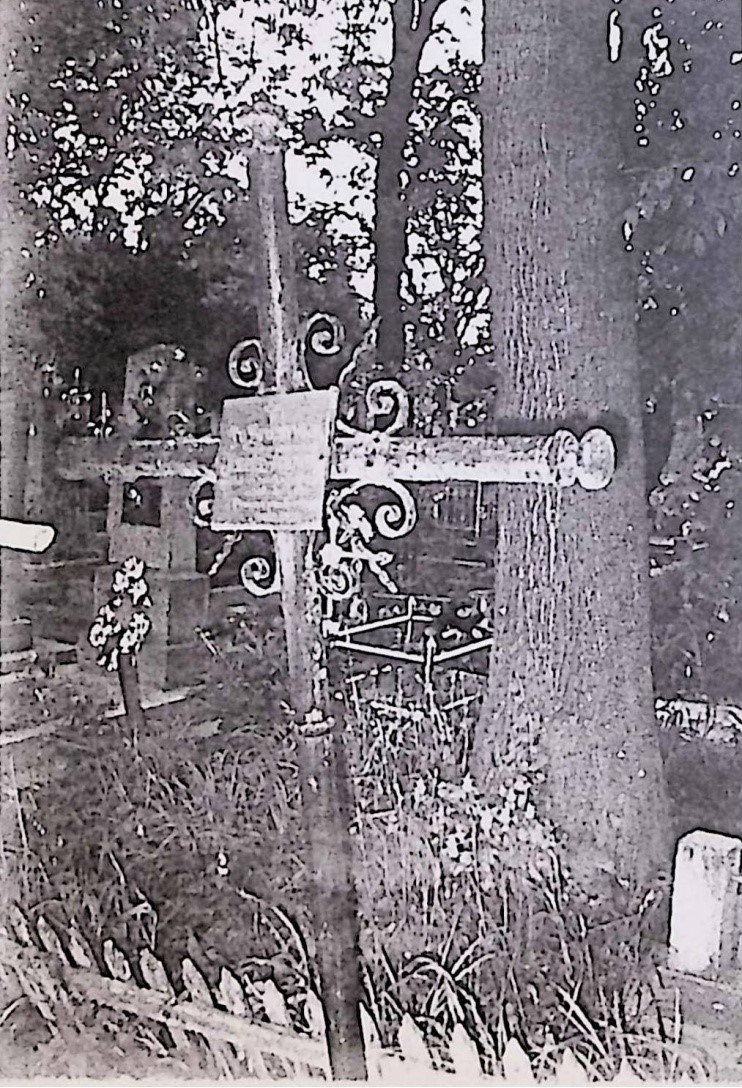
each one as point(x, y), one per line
point(469, 914)
point(187, 837)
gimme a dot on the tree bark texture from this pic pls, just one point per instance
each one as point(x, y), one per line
point(570, 673)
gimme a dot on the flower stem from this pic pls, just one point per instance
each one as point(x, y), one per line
point(129, 679)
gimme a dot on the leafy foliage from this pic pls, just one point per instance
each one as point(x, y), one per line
point(158, 839)
point(102, 139)
point(141, 133)
point(86, 304)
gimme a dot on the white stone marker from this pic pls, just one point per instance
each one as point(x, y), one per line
point(24, 536)
point(704, 922)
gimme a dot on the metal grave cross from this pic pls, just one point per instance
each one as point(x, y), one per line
point(270, 468)
point(278, 452)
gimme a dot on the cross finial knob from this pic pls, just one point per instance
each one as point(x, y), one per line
point(596, 460)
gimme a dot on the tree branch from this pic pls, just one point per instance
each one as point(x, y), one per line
point(428, 9)
point(405, 69)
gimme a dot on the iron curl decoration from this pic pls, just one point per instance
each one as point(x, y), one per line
point(246, 365)
point(259, 577)
point(382, 404)
point(338, 572)
point(385, 401)
point(201, 506)
point(358, 610)
point(256, 574)
point(324, 334)
point(367, 404)
point(388, 397)
point(179, 425)
point(350, 532)
point(391, 520)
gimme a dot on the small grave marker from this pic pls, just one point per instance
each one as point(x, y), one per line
point(705, 922)
point(158, 404)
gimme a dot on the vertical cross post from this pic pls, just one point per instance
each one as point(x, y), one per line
point(326, 797)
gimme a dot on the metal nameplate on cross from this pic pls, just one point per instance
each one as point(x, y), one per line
point(273, 461)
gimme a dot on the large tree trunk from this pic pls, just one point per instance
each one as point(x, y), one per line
point(570, 671)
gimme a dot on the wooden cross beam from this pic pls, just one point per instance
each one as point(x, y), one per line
point(25, 536)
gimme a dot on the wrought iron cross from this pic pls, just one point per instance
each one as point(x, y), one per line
point(291, 460)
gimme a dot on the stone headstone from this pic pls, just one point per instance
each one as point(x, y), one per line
point(704, 921)
point(149, 518)
point(159, 393)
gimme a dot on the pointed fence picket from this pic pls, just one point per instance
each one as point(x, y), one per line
point(59, 971)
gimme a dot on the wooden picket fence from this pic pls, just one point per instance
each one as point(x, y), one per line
point(60, 973)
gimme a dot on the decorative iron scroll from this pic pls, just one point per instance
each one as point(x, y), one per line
point(350, 530)
point(259, 576)
point(200, 499)
point(246, 365)
point(367, 404)
point(224, 552)
point(246, 368)
point(324, 335)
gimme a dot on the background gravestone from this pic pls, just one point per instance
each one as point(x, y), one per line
point(150, 519)
point(58, 583)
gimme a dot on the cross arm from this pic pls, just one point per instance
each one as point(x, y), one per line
point(559, 459)
point(122, 459)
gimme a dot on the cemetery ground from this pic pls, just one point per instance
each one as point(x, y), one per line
point(161, 860)
point(185, 838)
point(175, 876)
